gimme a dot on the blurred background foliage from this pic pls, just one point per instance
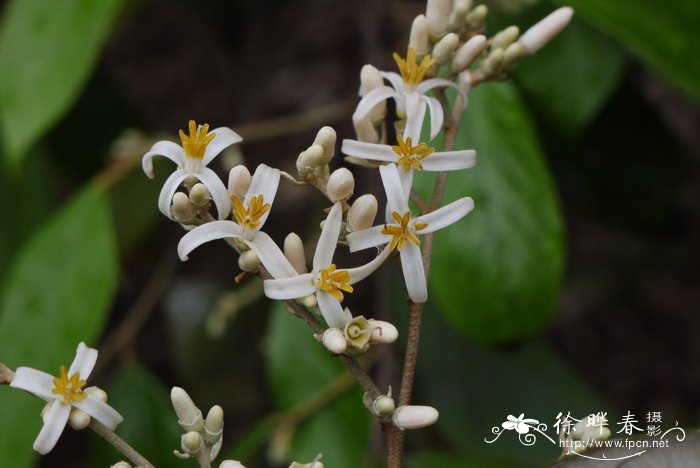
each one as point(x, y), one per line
point(572, 286)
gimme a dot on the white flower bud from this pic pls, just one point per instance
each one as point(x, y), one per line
point(98, 393)
point(365, 130)
point(249, 261)
point(199, 194)
point(418, 40)
point(309, 160)
point(476, 17)
point(231, 464)
point(214, 425)
point(464, 81)
point(216, 448)
point(414, 417)
point(460, 10)
point(362, 213)
point(513, 53)
point(334, 341)
point(504, 38)
point(443, 50)
point(191, 442)
point(309, 301)
point(189, 416)
point(368, 402)
point(494, 62)
point(383, 405)
point(437, 12)
point(546, 29)
point(294, 251)
point(182, 208)
point(469, 51)
point(239, 181)
point(326, 138)
point(369, 80)
point(78, 419)
point(121, 464)
point(341, 184)
point(383, 332)
point(358, 332)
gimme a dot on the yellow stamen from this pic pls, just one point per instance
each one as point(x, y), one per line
point(334, 282)
point(196, 143)
point(411, 156)
point(70, 387)
point(249, 217)
point(401, 231)
point(412, 72)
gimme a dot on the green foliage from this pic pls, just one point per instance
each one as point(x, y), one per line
point(496, 274)
point(56, 294)
point(663, 34)
point(47, 51)
point(299, 368)
point(150, 424)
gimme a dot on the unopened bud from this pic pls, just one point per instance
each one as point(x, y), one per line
point(78, 419)
point(368, 402)
point(334, 341)
point(309, 301)
point(182, 208)
point(460, 10)
point(494, 62)
point(469, 51)
point(249, 261)
point(121, 464)
point(294, 251)
point(414, 416)
point(340, 186)
point(199, 194)
point(513, 53)
point(362, 213)
point(231, 464)
point(239, 181)
point(383, 405)
point(476, 17)
point(546, 29)
point(326, 138)
point(418, 40)
point(383, 332)
point(189, 416)
point(443, 50)
point(365, 130)
point(214, 425)
point(369, 80)
point(309, 160)
point(191, 442)
point(437, 12)
point(358, 332)
point(98, 393)
point(504, 38)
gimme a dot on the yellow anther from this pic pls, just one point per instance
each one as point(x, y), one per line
point(196, 143)
point(334, 282)
point(70, 387)
point(412, 72)
point(249, 217)
point(411, 156)
point(401, 231)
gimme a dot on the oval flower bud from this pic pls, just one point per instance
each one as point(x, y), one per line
point(182, 208)
point(97, 392)
point(504, 38)
point(470, 50)
point(437, 12)
point(418, 40)
point(249, 261)
point(369, 80)
point(231, 464)
point(121, 464)
point(460, 10)
point(334, 341)
point(294, 251)
point(513, 53)
point(309, 160)
point(383, 405)
point(546, 29)
point(214, 425)
point(191, 442)
point(78, 419)
point(414, 416)
point(443, 50)
point(476, 17)
point(494, 62)
point(326, 139)
point(188, 415)
point(199, 194)
point(341, 184)
point(358, 333)
point(362, 213)
point(383, 332)
point(239, 181)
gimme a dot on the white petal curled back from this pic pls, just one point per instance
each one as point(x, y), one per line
point(366, 238)
point(415, 115)
point(165, 148)
point(414, 273)
point(325, 248)
point(373, 98)
point(168, 191)
point(395, 196)
point(395, 80)
point(55, 420)
point(36, 382)
point(372, 151)
point(84, 362)
point(101, 411)
point(205, 233)
point(218, 191)
point(446, 215)
point(449, 161)
point(271, 256)
point(290, 288)
point(265, 182)
point(437, 116)
point(359, 273)
point(224, 138)
point(331, 310)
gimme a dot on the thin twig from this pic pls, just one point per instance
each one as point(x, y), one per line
point(118, 443)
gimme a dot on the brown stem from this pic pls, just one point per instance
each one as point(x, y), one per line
point(119, 444)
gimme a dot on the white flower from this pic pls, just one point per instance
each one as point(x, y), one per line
point(408, 90)
point(198, 149)
point(326, 280)
point(250, 215)
point(402, 229)
point(64, 393)
point(409, 158)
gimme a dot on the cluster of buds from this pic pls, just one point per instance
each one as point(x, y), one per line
point(312, 163)
point(405, 416)
point(357, 335)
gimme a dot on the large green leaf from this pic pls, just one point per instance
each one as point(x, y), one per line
point(56, 294)
point(47, 51)
point(496, 273)
point(150, 424)
point(663, 34)
point(299, 368)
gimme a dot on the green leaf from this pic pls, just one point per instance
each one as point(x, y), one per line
point(299, 368)
point(664, 35)
point(150, 424)
point(47, 52)
point(57, 293)
point(570, 79)
point(496, 274)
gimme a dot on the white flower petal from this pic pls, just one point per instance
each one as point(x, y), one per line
point(100, 410)
point(170, 150)
point(395, 80)
point(371, 99)
point(55, 421)
point(271, 256)
point(169, 188)
point(35, 382)
point(290, 288)
point(406, 184)
point(373, 151)
point(224, 138)
point(84, 362)
point(205, 233)
point(366, 238)
point(436, 115)
point(265, 182)
point(415, 114)
point(449, 160)
point(359, 273)
point(446, 215)
point(395, 196)
point(433, 83)
point(331, 309)
point(218, 191)
point(413, 272)
point(325, 248)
